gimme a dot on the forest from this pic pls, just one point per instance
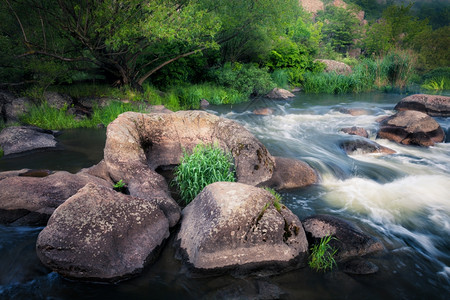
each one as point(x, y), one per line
point(176, 52)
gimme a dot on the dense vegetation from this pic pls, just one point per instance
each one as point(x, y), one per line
point(176, 52)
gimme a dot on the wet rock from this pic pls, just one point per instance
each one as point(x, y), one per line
point(364, 146)
point(28, 200)
point(349, 240)
point(354, 111)
point(432, 105)
point(411, 128)
point(263, 111)
point(336, 66)
point(36, 173)
point(359, 266)
point(204, 103)
point(14, 109)
point(290, 174)
point(355, 131)
point(18, 139)
point(235, 227)
point(278, 93)
point(57, 100)
point(99, 234)
point(138, 144)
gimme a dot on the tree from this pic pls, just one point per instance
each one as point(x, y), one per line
point(129, 40)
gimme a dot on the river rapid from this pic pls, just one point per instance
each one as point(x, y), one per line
point(402, 199)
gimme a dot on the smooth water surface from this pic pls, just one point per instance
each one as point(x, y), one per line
point(401, 199)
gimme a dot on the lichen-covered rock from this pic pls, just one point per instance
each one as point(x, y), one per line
point(432, 105)
point(349, 240)
point(27, 200)
point(291, 174)
point(278, 93)
point(138, 144)
point(57, 100)
point(335, 66)
point(411, 128)
point(102, 235)
point(14, 108)
point(236, 227)
point(18, 139)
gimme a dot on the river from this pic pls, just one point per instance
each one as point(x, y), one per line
point(402, 199)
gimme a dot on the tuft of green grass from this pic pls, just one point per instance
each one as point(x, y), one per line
point(278, 198)
point(322, 255)
point(205, 165)
point(120, 186)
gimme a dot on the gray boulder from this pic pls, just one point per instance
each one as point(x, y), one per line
point(349, 240)
point(432, 105)
point(236, 227)
point(278, 93)
point(27, 200)
point(57, 100)
point(18, 139)
point(102, 235)
point(411, 128)
point(291, 174)
point(15, 108)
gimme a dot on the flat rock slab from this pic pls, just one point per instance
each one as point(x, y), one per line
point(432, 105)
point(349, 240)
point(18, 139)
point(102, 235)
point(233, 227)
point(411, 127)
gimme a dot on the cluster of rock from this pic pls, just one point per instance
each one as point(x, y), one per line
point(96, 233)
point(413, 124)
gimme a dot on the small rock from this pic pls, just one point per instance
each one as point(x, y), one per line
point(359, 266)
point(363, 146)
point(278, 93)
point(263, 111)
point(356, 131)
point(354, 111)
point(204, 103)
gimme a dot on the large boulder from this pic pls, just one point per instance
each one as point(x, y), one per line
point(137, 145)
point(236, 227)
point(335, 66)
point(348, 239)
point(102, 235)
point(411, 128)
point(290, 174)
point(432, 105)
point(18, 139)
point(27, 200)
point(278, 93)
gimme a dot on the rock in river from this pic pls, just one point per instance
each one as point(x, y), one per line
point(238, 228)
point(102, 235)
point(432, 105)
point(18, 139)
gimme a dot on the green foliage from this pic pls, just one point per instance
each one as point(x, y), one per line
point(120, 186)
point(437, 84)
point(207, 164)
point(247, 79)
point(322, 255)
point(281, 78)
point(48, 117)
point(1, 152)
point(329, 83)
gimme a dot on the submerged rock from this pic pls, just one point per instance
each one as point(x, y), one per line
point(290, 174)
point(278, 93)
point(99, 234)
point(355, 131)
point(18, 139)
point(236, 227)
point(349, 240)
point(26, 200)
point(363, 146)
point(354, 111)
point(432, 105)
point(411, 128)
point(263, 111)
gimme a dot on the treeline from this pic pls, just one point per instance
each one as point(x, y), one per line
point(229, 49)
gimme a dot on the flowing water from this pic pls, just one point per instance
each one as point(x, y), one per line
point(401, 199)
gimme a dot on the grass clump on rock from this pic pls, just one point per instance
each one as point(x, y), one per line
point(322, 255)
point(207, 164)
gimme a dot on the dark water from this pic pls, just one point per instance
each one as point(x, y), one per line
point(401, 199)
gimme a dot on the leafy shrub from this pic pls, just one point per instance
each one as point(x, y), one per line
point(281, 78)
point(437, 84)
point(322, 255)
point(207, 164)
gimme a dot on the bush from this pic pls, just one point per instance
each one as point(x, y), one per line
point(322, 255)
point(207, 164)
